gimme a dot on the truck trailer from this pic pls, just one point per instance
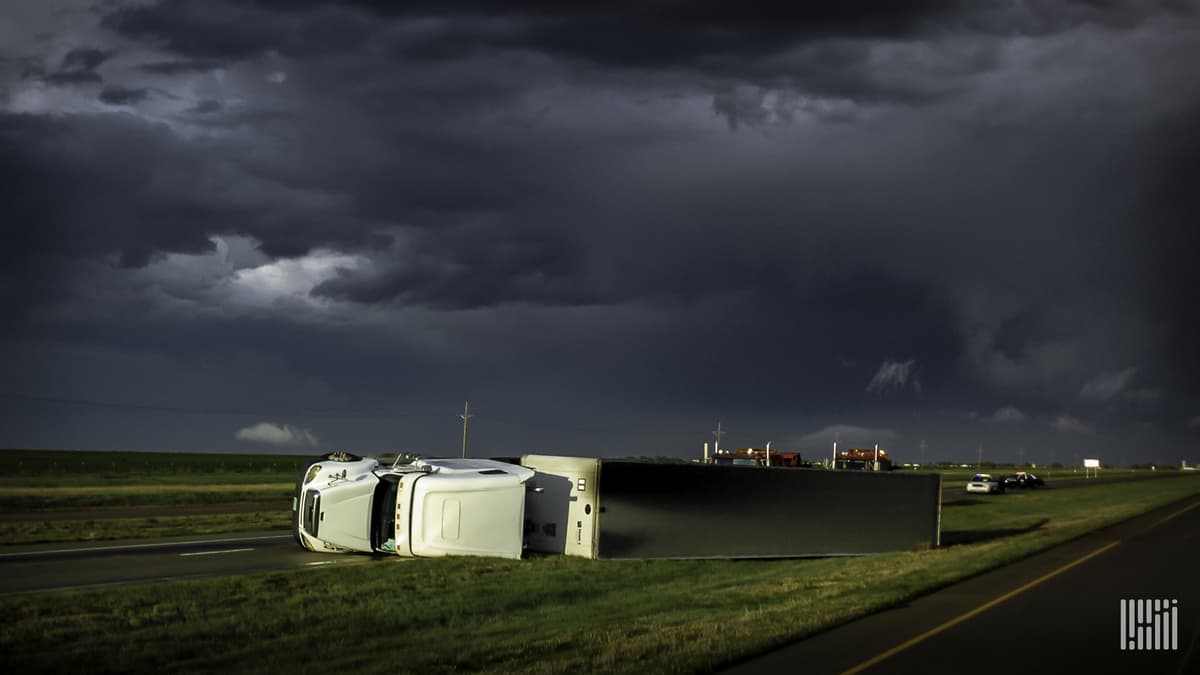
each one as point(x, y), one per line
point(615, 509)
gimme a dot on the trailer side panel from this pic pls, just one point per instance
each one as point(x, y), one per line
point(707, 511)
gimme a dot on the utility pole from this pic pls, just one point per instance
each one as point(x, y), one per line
point(835, 440)
point(466, 415)
point(718, 433)
point(979, 458)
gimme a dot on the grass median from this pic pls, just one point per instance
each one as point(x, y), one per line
point(541, 614)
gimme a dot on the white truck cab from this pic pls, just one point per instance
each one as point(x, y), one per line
point(426, 508)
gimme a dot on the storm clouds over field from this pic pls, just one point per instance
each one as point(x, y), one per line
point(235, 225)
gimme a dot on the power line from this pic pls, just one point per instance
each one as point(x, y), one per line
point(226, 412)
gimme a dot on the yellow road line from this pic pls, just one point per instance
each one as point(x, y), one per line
point(978, 610)
point(1182, 511)
point(1011, 594)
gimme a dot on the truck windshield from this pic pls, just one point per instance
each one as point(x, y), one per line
point(383, 512)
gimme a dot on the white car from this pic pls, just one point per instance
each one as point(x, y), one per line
point(985, 483)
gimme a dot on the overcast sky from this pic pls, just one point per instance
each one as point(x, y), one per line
point(286, 226)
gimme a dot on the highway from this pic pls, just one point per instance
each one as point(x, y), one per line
point(1057, 611)
point(52, 567)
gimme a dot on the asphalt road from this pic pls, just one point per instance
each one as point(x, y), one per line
point(1055, 612)
point(60, 567)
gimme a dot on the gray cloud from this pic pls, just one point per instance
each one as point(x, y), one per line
point(1068, 424)
point(284, 435)
point(892, 376)
point(1008, 414)
point(1107, 385)
point(847, 436)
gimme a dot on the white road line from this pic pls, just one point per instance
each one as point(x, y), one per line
point(228, 550)
point(133, 547)
point(321, 562)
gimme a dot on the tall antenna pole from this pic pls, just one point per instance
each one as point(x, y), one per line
point(835, 440)
point(466, 415)
point(718, 433)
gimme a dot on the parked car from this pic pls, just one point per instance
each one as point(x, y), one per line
point(1024, 480)
point(985, 483)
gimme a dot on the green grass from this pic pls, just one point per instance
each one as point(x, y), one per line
point(37, 485)
point(40, 497)
point(542, 614)
point(72, 468)
point(36, 514)
point(107, 529)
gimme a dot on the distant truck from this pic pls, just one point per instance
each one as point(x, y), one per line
point(437, 507)
point(759, 457)
point(863, 459)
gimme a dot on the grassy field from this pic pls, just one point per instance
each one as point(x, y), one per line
point(140, 494)
point(40, 497)
point(108, 529)
point(542, 614)
point(71, 468)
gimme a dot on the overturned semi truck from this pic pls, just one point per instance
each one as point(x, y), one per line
point(422, 508)
point(610, 509)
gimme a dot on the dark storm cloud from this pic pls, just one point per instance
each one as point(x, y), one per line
point(182, 67)
point(206, 32)
point(113, 188)
point(1165, 268)
point(465, 273)
point(84, 59)
point(106, 167)
point(1046, 17)
point(542, 206)
point(116, 95)
point(79, 67)
point(207, 106)
point(74, 77)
